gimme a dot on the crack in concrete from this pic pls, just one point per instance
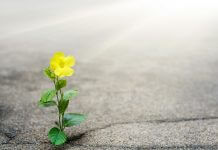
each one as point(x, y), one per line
point(20, 143)
point(190, 146)
point(79, 136)
point(8, 132)
point(141, 147)
point(178, 120)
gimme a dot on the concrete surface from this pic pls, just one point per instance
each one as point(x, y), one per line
point(147, 72)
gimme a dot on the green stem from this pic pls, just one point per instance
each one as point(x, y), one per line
point(62, 115)
point(60, 122)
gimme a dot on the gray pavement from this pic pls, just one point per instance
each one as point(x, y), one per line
point(146, 72)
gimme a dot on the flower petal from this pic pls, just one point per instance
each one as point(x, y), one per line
point(56, 60)
point(70, 61)
point(61, 65)
point(58, 71)
point(67, 71)
point(53, 65)
point(62, 72)
point(59, 54)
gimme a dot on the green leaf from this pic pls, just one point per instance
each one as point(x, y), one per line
point(47, 98)
point(62, 105)
point(56, 136)
point(60, 84)
point(46, 104)
point(49, 73)
point(70, 94)
point(48, 95)
point(72, 119)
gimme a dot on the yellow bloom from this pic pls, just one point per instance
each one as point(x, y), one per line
point(61, 65)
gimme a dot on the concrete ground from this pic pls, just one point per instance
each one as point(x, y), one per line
point(147, 72)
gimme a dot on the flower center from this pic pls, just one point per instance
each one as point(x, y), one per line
point(61, 63)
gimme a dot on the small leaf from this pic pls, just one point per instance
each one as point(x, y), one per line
point(60, 84)
point(47, 98)
point(56, 136)
point(62, 105)
point(72, 119)
point(48, 95)
point(70, 94)
point(49, 73)
point(46, 104)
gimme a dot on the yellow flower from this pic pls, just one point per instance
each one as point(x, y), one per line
point(61, 65)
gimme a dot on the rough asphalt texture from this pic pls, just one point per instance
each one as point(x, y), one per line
point(147, 73)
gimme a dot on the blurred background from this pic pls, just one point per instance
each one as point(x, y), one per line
point(138, 62)
point(90, 28)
